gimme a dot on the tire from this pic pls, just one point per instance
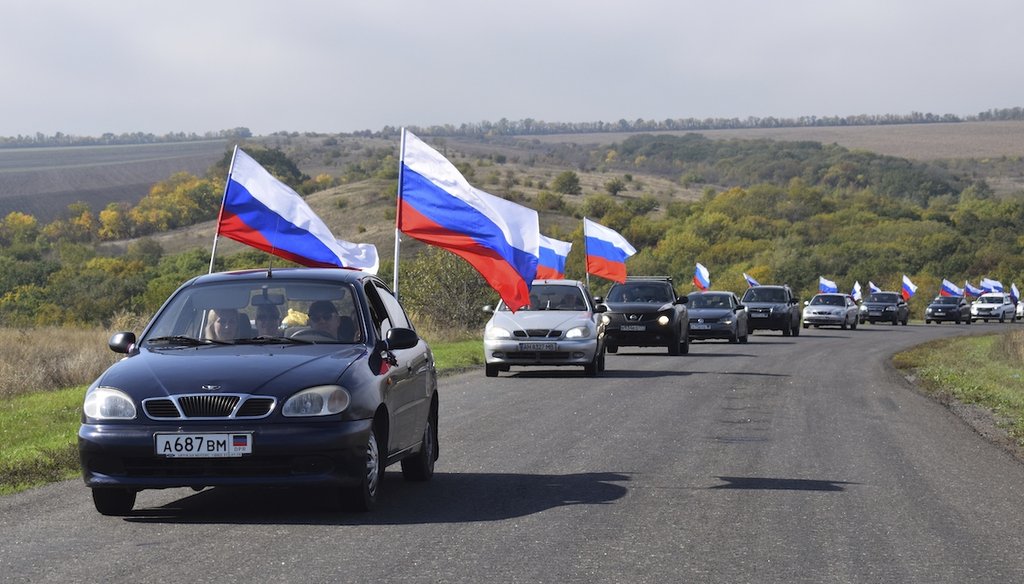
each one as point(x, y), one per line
point(684, 348)
point(363, 497)
point(673, 345)
point(113, 501)
point(420, 466)
point(787, 331)
point(601, 362)
point(491, 370)
point(853, 325)
point(734, 337)
point(806, 326)
point(844, 325)
point(1002, 317)
point(926, 321)
point(796, 329)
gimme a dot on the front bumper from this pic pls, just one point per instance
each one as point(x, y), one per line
point(540, 352)
point(824, 319)
point(652, 335)
point(283, 454)
point(768, 321)
point(712, 330)
point(945, 315)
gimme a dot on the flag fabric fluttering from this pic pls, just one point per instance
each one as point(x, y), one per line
point(909, 289)
point(607, 251)
point(872, 288)
point(990, 285)
point(701, 277)
point(950, 289)
point(856, 292)
point(972, 290)
point(438, 206)
point(263, 212)
point(751, 282)
point(553, 253)
point(825, 285)
point(1015, 293)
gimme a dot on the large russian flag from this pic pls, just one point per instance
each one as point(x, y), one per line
point(909, 289)
point(553, 253)
point(972, 290)
point(990, 285)
point(436, 205)
point(606, 251)
point(263, 212)
point(825, 285)
point(950, 289)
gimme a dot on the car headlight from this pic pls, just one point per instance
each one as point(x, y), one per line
point(323, 400)
point(663, 320)
point(606, 319)
point(107, 403)
point(497, 332)
point(928, 310)
point(726, 320)
point(863, 308)
point(579, 332)
point(890, 308)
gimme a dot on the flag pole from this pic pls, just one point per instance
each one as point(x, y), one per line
point(220, 213)
point(586, 272)
point(398, 211)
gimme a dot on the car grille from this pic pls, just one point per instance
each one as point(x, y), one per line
point(208, 407)
point(538, 334)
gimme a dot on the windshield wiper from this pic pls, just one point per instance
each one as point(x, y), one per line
point(264, 340)
point(183, 340)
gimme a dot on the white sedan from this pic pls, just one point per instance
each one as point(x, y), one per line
point(831, 309)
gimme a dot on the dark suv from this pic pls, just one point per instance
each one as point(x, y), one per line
point(772, 308)
point(646, 312)
point(885, 307)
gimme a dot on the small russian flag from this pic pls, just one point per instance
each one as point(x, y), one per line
point(701, 277)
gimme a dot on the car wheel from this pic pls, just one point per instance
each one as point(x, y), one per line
point(491, 370)
point(806, 326)
point(796, 329)
point(113, 501)
point(745, 337)
point(734, 337)
point(1002, 317)
point(363, 496)
point(601, 362)
point(787, 331)
point(685, 347)
point(844, 325)
point(926, 321)
point(673, 344)
point(420, 466)
point(853, 325)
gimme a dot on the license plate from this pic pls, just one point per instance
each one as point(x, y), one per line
point(633, 327)
point(700, 327)
point(874, 313)
point(203, 445)
point(759, 314)
point(537, 346)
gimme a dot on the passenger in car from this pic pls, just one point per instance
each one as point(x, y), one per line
point(324, 317)
point(268, 321)
point(225, 324)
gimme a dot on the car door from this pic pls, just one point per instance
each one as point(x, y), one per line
point(410, 378)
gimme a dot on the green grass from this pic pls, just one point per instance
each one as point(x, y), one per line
point(986, 370)
point(38, 430)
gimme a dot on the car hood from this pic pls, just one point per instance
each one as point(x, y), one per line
point(714, 313)
point(541, 319)
point(879, 304)
point(766, 304)
point(638, 307)
point(260, 369)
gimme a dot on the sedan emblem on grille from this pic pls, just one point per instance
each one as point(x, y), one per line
point(700, 320)
point(211, 387)
point(633, 317)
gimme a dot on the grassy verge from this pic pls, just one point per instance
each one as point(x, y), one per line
point(38, 430)
point(987, 371)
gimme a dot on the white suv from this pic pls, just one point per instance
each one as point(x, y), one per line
point(992, 306)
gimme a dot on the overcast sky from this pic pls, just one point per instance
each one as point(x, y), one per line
point(96, 66)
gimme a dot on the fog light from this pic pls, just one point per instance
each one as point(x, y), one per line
point(577, 355)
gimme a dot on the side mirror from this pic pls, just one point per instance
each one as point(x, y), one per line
point(599, 308)
point(121, 342)
point(598, 299)
point(740, 307)
point(682, 300)
point(401, 338)
point(488, 309)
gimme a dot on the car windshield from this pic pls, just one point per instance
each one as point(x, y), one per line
point(986, 299)
point(885, 297)
point(247, 312)
point(829, 300)
point(552, 297)
point(764, 295)
point(953, 300)
point(637, 292)
point(709, 301)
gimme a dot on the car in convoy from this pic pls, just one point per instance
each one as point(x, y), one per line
point(202, 399)
point(948, 308)
point(1020, 310)
point(558, 327)
point(993, 306)
point(831, 309)
point(717, 315)
point(885, 307)
point(645, 311)
point(772, 307)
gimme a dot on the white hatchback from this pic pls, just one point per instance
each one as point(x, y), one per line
point(993, 306)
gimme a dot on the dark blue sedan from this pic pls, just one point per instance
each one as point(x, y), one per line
point(290, 377)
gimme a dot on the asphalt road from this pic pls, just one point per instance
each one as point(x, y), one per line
point(801, 459)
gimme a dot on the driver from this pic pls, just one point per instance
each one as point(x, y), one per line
point(323, 318)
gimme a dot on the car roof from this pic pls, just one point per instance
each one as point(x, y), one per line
point(312, 274)
point(559, 282)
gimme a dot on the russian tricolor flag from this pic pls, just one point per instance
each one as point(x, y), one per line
point(950, 289)
point(990, 285)
point(856, 293)
point(751, 282)
point(909, 289)
point(701, 277)
point(1014, 292)
point(263, 212)
point(436, 205)
point(825, 285)
point(972, 290)
point(607, 251)
point(553, 253)
point(872, 288)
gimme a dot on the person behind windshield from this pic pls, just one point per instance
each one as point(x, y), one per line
point(268, 321)
point(323, 318)
point(222, 324)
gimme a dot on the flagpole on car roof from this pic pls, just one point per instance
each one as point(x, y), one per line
point(220, 213)
point(398, 211)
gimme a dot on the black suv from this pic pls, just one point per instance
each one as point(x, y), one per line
point(772, 308)
point(645, 311)
point(885, 307)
